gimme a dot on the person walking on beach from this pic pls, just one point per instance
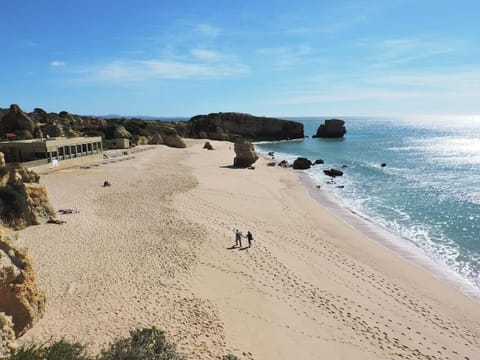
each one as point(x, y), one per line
point(238, 237)
point(249, 238)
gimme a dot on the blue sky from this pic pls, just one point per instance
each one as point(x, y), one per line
point(274, 58)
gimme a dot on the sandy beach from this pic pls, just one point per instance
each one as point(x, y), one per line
point(155, 249)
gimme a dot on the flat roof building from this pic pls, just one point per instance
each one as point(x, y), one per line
point(53, 152)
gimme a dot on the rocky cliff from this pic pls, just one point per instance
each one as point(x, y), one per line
point(19, 125)
point(228, 126)
point(22, 304)
point(23, 201)
point(19, 296)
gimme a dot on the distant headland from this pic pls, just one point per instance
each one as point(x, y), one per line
point(16, 124)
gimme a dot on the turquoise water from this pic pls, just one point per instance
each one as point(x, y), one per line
point(429, 192)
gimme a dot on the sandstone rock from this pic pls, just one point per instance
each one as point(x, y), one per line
point(140, 140)
point(224, 126)
point(15, 120)
point(69, 132)
point(121, 132)
point(208, 146)
point(19, 296)
point(53, 130)
point(23, 201)
point(333, 128)
point(302, 163)
point(157, 139)
point(175, 141)
point(245, 154)
point(218, 134)
point(333, 172)
point(7, 336)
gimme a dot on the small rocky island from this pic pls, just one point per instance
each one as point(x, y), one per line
point(332, 128)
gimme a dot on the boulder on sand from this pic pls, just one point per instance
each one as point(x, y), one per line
point(301, 163)
point(208, 146)
point(245, 153)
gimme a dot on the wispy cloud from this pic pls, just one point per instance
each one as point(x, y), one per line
point(284, 58)
point(391, 52)
point(57, 63)
point(141, 70)
point(208, 30)
point(452, 87)
point(204, 54)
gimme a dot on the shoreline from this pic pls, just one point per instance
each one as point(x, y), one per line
point(401, 246)
point(392, 241)
point(155, 249)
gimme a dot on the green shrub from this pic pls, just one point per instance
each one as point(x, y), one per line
point(230, 357)
point(144, 344)
point(60, 350)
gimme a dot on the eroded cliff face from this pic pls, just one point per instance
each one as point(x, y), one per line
point(22, 304)
point(7, 336)
point(228, 126)
point(23, 201)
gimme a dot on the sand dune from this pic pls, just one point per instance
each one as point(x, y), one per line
point(155, 249)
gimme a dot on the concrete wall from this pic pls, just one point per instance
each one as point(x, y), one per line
point(83, 160)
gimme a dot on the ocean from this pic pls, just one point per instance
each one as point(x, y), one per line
point(428, 194)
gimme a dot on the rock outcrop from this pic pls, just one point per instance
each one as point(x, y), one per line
point(333, 128)
point(333, 173)
point(208, 146)
point(121, 132)
point(229, 126)
point(301, 163)
point(20, 299)
point(157, 139)
point(23, 201)
point(173, 140)
point(245, 153)
point(7, 336)
point(16, 121)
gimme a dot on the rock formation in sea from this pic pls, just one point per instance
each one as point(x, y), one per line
point(333, 173)
point(229, 126)
point(23, 201)
point(244, 153)
point(332, 128)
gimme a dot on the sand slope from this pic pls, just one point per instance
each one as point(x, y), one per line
point(153, 249)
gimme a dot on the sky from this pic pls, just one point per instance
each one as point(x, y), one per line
point(264, 57)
